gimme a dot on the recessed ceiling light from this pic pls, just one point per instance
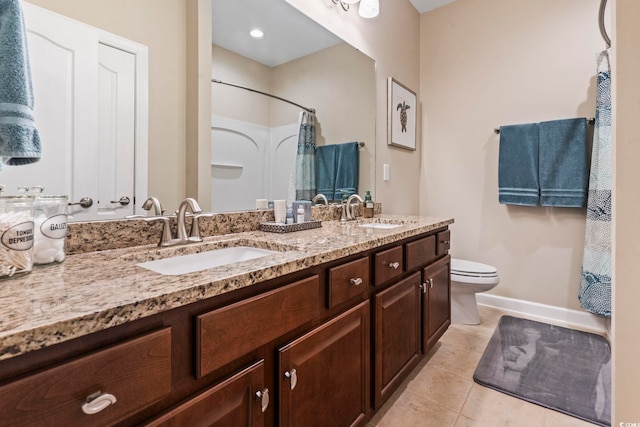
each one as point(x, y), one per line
point(256, 33)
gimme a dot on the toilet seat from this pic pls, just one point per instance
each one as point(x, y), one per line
point(461, 267)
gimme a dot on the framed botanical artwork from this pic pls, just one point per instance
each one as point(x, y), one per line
point(403, 113)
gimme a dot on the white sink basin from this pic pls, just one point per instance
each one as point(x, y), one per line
point(204, 260)
point(379, 225)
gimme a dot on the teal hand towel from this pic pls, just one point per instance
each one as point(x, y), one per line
point(518, 165)
point(347, 167)
point(564, 163)
point(19, 139)
point(326, 171)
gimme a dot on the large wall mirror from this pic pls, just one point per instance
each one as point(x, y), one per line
point(254, 137)
point(335, 79)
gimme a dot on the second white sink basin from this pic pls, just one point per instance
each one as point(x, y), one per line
point(204, 260)
point(379, 225)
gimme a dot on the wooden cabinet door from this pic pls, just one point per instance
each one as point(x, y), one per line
point(436, 302)
point(324, 375)
point(397, 335)
point(238, 401)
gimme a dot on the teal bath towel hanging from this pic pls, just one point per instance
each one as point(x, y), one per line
point(19, 138)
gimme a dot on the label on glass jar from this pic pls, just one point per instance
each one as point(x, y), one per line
point(55, 227)
point(18, 237)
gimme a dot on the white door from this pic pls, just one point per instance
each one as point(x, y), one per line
point(88, 102)
point(63, 59)
point(116, 133)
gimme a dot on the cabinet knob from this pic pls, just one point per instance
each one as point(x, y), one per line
point(423, 288)
point(263, 397)
point(394, 265)
point(98, 401)
point(356, 281)
point(430, 283)
point(292, 376)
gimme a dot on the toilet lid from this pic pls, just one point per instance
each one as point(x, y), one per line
point(464, 267)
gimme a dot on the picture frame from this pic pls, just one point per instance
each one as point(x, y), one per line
point(402, 112)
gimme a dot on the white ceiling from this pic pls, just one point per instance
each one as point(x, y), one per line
point(289, 34)
point(427, 5)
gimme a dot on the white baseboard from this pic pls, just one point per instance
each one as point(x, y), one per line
point(575, 319)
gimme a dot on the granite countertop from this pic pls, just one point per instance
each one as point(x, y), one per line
point(94, 291)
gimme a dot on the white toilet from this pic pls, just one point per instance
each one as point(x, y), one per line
point(467, 279)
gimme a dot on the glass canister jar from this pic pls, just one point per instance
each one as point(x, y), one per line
point(50, 217)
point(16, 235)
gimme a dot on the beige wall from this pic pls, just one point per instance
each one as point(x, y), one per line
point(392, 40)
point(626, 239)
point(160, 25)
point(345, 103)
point(486, 64)
point(235, 103)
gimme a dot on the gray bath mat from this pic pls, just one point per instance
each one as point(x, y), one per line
point(558, 368)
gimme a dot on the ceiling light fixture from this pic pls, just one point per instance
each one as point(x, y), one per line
point(256, 33)
point(368, 8)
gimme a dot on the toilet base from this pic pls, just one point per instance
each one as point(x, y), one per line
point(464, 309)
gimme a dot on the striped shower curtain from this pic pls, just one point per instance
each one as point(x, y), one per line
point(305, 170)
point(595, 281)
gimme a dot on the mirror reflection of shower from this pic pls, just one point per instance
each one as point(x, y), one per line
point(254, 136)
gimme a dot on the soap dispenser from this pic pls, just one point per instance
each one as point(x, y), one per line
point(368, 205)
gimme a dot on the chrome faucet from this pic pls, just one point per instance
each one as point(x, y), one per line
point(320, 196)
point(153, 202)
point(349, 208)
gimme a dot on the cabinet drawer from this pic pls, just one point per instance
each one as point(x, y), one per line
point(444, 243)
point(228, 333)
point(388, 264)
point(137, 373)
point(347, 281)
point(421, 252)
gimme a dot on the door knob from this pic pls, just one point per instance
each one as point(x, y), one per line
point(124, 201)
point(85, 202)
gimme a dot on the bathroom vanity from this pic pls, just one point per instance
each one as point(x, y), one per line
point(321, 333)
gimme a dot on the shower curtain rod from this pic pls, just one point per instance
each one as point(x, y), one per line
point(603, 30)
point(310, 110)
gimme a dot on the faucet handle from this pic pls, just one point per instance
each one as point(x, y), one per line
point(166, 236)
point(194, 233)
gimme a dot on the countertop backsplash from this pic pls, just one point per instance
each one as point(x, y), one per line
point(83, 237)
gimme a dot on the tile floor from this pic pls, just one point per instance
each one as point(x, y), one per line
point(440, 392)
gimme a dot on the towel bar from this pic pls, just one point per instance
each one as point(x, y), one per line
point(591, 121)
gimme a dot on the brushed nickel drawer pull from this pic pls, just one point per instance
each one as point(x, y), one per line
point(423, 288)
point(357, 281)
point(98, 401)
point(263, 397)
point(394, 265)
point(292, 376)
point(430, 283)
